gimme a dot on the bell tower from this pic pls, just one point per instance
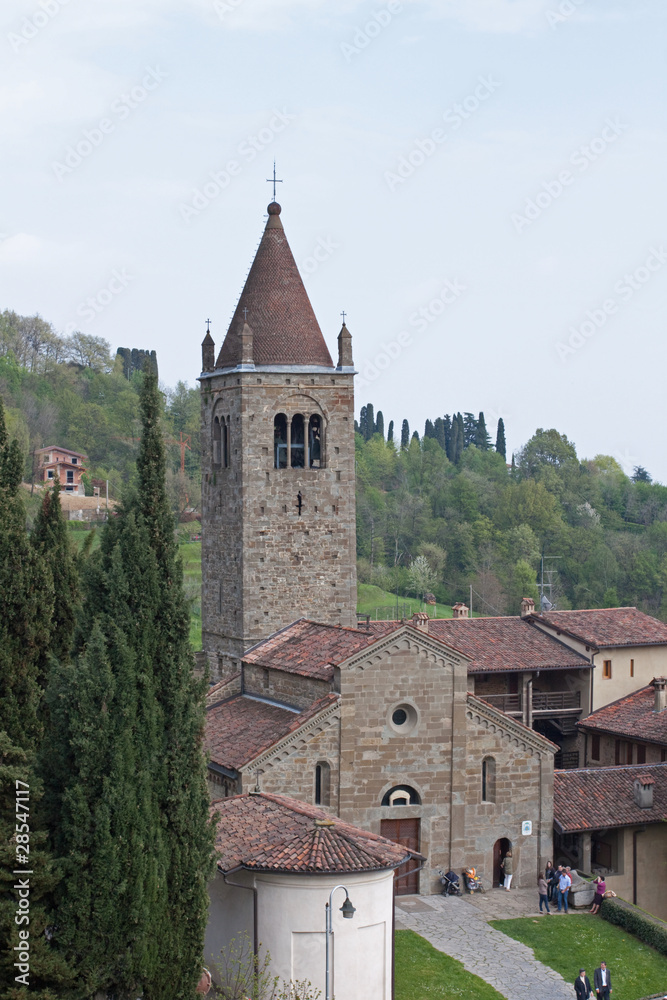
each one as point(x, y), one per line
point(278, 504)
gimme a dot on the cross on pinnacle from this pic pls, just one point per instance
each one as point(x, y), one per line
point(273, 180)
point(208, 325)
point(343, 314)
point(245, 312)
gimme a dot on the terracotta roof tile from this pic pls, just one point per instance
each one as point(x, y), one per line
point(265, 832)
point(241, 727)
point(507, 643)
point(311, 648)
point(633, 716)
point(600, 797)
point(603, 627)
point(279, 313)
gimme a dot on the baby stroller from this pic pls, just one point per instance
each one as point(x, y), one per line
point(472, 880)
point(450, 883)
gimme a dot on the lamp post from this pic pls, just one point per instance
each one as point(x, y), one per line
point(348, 912)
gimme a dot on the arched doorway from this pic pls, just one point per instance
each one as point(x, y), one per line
point(500, 849)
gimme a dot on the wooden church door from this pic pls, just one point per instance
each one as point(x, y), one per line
point(405, 832)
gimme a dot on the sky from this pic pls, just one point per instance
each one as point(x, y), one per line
point(478, 184)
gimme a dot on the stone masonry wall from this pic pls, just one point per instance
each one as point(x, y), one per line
point(292, 689)
point(264, 564)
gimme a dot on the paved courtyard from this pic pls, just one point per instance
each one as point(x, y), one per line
point(458, 927)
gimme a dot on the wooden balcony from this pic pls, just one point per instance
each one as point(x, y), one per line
point(544, 702)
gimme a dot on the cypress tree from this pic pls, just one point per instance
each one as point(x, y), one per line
point(439, 433)
point(390, 432)
point(370, 421)
point(482, 439)
point(415, 436)
point(362, 423)
point(379, 424)
point(128, 774)
point(448, 435)
point(429, 431)
point(469, 429)
point(501, 447)
point(405, 434)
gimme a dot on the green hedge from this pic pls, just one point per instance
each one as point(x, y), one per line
point(649, 929)
point(83, 525)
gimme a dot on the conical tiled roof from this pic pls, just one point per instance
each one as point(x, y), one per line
point(266, 832)
point(285, 330)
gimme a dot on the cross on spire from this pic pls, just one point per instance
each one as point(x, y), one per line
point(273, 180)
point(245, 312)
point(343, 314)
point(208, 325)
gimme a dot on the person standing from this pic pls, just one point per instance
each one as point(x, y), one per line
point(564, 883)
point(582, 985)
point(602, 981)
point(600, 889)
point(508, 868)
point(549, 875)
point(542, 889)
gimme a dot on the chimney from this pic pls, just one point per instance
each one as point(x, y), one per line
point(420, 620)
point(659, 684)
point(208, 353)
point(247, 360)
point(644, 791)
point(460, 610)
point(345, 348)
point(527, 606)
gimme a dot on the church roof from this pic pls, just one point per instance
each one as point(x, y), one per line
point(603, 627)
point(599, 797)
point(240, 728)
point(265, 832)
point(633, 717)
point(312, 649)
point(275, 304)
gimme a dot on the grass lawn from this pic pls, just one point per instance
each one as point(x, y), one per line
point(421, 971)
point(570, 942)
point(190, 553)
point(369, 598)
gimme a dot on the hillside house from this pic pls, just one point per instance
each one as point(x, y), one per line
point(61, 465)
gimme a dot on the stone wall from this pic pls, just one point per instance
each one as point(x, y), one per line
point(264, 562)
point(291, 689)
point(607, 758)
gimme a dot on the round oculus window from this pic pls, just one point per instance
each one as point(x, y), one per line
point(403, 718)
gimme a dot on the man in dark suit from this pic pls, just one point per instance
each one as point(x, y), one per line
point(582, 985)
point(602, 982)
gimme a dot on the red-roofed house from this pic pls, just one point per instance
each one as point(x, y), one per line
point(61, 464)
point(377, 726)
point(626, 647)
point(278, 860)
point(632, 730)
point(611, 821)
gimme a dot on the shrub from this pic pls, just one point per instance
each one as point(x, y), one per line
point(649, 929)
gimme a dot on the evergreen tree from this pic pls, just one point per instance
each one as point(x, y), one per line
point(415, 436)
point(370, 421)
point(362, 423)
point(127, 772)
point(482, 439)
point(429, 431)
point(448, 435)
point(469, 429)
point(501, 447)
point(390, 432)
point(439, 433)
point(458, 438)
point(405, 434)
point(379, 424)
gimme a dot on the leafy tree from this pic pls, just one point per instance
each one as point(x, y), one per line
point(610, 598)
point(405, 434)
point(90, 351)
point(501, 447)
point(421, 577)
point(545, 448)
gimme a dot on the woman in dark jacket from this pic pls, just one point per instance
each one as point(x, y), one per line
point(551, 879)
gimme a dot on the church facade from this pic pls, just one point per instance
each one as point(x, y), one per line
point(375, 724)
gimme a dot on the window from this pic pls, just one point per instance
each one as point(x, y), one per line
point(280, 441)
point(49, 474)
point(70, 475)
point(632, 668)
point(623, 752)
point(217, 442)
point(297, 442)
point(488, 780)
point(401, 795)
point(606, 670)
point(403, 718)
point(315, 456)
point(641, 754)
point(595, 747)
point(74, 461)
point(322, 784)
